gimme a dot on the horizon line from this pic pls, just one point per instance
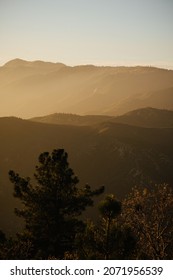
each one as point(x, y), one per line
point(159, 65)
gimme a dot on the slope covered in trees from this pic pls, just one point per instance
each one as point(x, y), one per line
point(147, 117)
point(115, 155)
point(138, 227)
point(144, 117)
point(72, 119)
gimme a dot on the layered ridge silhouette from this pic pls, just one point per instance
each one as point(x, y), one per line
point(38, 88)
point(109, 153)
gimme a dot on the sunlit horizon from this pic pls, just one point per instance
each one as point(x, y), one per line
point(94, 63)
point(114, 33)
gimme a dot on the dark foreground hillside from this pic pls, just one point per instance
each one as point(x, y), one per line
point(118, 156)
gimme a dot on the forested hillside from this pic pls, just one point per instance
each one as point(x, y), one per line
point(116, 155)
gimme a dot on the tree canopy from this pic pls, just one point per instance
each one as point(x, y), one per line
point(52, 207)
point(149, 213)
point(138, 227)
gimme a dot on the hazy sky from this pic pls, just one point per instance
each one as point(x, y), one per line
point(102, 32)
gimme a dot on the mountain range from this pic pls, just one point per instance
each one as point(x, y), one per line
point(116, 124)
point(38, 88)
point(118, 152)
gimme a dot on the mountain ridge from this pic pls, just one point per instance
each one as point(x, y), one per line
point(116, 155)
point(20, 61)
point(145, 117)
point(40, 88)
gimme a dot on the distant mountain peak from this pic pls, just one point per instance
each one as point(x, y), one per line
point(17, 62)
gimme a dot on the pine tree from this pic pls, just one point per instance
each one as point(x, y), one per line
point(52, 207)
point(108, 238)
